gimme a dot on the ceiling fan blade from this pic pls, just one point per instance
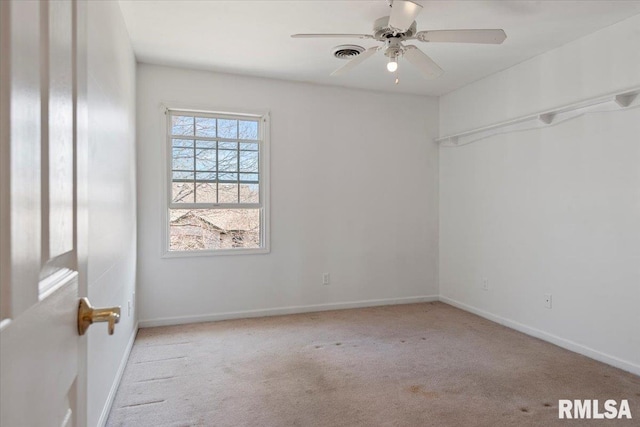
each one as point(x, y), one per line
point(355, 61)
point(403, 13)
point(462, 36)
point(428, 68)
point(308, 36)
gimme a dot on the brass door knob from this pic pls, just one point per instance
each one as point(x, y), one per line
point(88, 315)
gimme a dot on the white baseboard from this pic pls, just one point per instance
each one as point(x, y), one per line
point(116, 381)
point(545, 336)
point(166, 321)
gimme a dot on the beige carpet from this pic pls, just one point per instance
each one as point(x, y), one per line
point(412, 365)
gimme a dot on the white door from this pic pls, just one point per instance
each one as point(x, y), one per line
point(42, 212)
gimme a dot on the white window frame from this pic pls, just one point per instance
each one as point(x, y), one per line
point(263, 184)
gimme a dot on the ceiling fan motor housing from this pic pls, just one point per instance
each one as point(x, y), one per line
point(382, 31)
point(393, 48)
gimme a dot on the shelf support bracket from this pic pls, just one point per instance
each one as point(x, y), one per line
point(625, 99)
point(546, 118)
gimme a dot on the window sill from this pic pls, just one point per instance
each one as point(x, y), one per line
point(210, 253)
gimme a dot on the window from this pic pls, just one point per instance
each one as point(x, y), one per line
point(216, 183)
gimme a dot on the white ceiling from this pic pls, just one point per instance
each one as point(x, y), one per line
point(253, 37)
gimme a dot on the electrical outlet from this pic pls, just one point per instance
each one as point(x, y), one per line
point(547, 300)
point(485, 284)
point(326, 279)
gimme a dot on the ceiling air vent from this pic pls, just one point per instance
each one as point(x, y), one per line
point(347, 51)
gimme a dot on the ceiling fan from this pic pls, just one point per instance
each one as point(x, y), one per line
point(399, 27)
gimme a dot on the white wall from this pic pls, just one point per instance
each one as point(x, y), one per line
point(112, 203)
point(549, 211)
point(353, 192)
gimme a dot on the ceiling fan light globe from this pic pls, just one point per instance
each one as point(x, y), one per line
point(392, 66)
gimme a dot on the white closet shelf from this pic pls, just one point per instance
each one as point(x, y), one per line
point(615, 101)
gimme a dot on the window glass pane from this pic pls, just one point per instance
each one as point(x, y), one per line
point(249, 177)
point(182, 159)
point(205, 176)
point(228, 145)
point(206, 144)
point(227, 128)
point(182, 125)
point(227, 160)
point(205, 160)
point(252, 146)
point(249, 193)
point(248, 161)
point(200, 229)
point(228, 177)
point(185, 143)
point(206, 193)
point(182, 192)
point(205, 127)
point(248, 129)
point(227, 193)
point(181, 176)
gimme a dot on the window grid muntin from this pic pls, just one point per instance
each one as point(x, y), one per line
point(239, 142)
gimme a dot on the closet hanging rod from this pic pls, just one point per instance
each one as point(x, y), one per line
point(623, 99)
